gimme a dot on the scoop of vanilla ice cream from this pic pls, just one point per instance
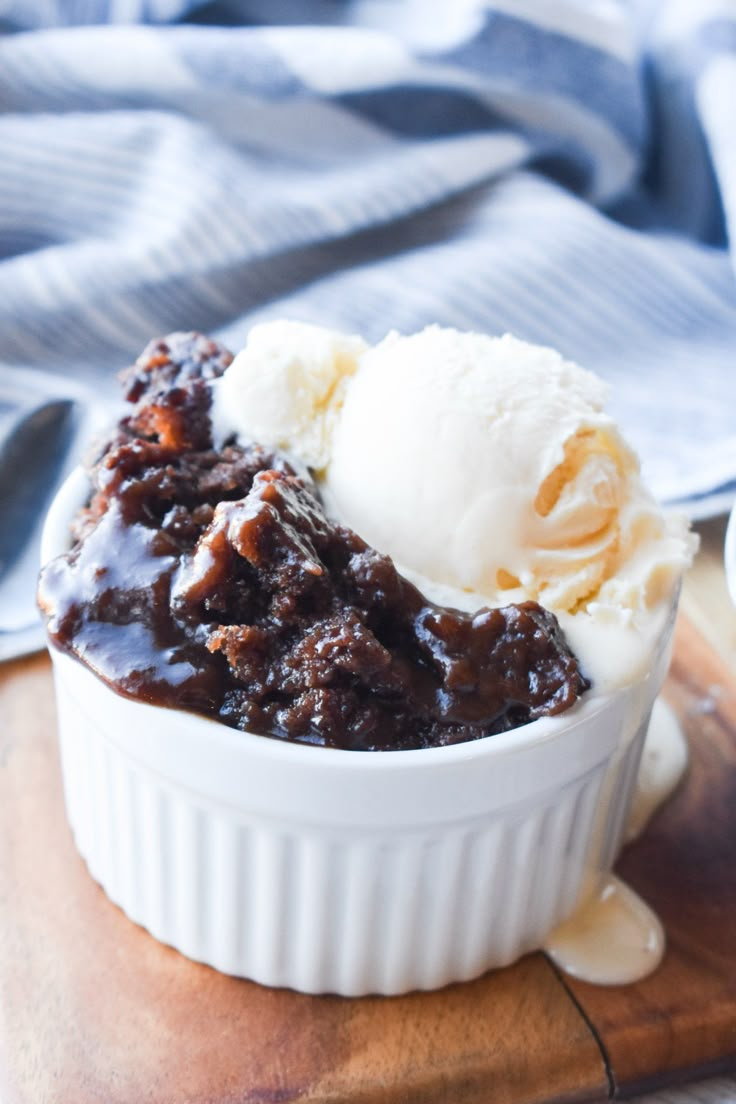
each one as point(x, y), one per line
point(486, 467)
point(285, 388)
point(484, 463)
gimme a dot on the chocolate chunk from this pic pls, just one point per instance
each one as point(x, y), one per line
point(172, 362)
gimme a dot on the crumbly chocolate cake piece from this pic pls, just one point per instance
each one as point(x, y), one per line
point(214, 581)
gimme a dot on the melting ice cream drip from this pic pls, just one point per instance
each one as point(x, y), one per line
point(614, 938)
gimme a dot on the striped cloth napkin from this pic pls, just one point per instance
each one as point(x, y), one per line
point(564, 169)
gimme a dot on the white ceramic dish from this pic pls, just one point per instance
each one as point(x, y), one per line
point(338, 871)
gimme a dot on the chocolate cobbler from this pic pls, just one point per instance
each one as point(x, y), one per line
point(214, 581)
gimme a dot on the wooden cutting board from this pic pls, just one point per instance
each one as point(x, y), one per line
point(92, 1009)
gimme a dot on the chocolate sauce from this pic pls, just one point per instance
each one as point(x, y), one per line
point(214, 581)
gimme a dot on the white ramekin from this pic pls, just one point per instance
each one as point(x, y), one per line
point(339, 871)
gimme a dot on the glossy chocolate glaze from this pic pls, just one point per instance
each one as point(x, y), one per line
point(215, 582)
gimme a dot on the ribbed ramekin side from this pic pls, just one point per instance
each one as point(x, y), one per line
point(618, 803)
point(319, 910)
point(523, 874)
point(422, 910)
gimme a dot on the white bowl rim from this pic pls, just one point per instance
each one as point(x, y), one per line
point(55, 540)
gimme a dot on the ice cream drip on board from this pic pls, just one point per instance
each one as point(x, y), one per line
point(614, 937)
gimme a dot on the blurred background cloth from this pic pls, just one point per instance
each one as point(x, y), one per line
point(565, 170)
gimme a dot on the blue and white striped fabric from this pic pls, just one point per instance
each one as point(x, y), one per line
point(563, 169)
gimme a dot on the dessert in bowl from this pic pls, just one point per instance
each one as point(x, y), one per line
point(366, 759)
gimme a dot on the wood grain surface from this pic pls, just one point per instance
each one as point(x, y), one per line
point(92, 1009)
